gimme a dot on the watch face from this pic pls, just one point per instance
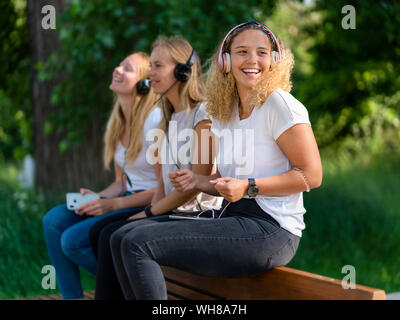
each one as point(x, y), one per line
point(252, 191)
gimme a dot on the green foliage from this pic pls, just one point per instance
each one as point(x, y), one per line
point(96, 35)
point(351, 67)
point(22, 246)
point(351, 220)
point(336, 70)
point(15, 106)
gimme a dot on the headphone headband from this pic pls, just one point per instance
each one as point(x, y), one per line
point(192, 58)
point(267, 31)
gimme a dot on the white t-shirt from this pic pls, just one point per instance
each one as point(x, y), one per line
point(141, 173)
point(248, 149)
point(177, 153)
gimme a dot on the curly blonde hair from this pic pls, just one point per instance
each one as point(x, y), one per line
point(222, 94)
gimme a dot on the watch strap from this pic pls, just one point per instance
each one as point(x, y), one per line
point(147, 211)
point(252, 191)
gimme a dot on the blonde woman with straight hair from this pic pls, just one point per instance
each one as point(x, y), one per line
point(134, 112)
point(261, 220)
point(175, 73)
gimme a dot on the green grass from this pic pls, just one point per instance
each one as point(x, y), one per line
point(23, 251)
point(352, 219)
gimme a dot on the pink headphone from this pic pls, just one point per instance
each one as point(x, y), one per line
point(224, 59)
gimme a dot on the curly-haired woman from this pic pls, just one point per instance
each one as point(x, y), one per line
point(261, 222)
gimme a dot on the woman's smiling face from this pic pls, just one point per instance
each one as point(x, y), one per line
point(161, 70)
point(250, 57)
point(126, 75)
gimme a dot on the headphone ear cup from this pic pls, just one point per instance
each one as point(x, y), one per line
point(275, 56)
point(227, 62)
point(221, 62)
point(143, 86)
point(182, 72)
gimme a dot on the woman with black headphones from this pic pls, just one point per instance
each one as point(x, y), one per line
point(175, 74)
point(261, 222)
point(134, 113)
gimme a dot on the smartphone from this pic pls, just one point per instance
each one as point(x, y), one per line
point(76, 200)
point(179, 216)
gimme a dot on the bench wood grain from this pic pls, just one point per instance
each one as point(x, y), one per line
point(281, 283)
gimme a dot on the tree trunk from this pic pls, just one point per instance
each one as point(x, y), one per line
point(81, 167)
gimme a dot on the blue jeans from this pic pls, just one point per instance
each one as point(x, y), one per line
point(68, 245)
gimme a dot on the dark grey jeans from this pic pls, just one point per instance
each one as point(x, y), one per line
point(245, 241)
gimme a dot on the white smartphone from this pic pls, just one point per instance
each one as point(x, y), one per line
point(76, 200)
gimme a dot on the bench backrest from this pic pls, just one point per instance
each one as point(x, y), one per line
point(278, 283)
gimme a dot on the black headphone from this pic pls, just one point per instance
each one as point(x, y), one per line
point(182, 71)
point(143, 86)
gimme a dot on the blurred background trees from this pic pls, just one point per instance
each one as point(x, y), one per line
point(355, 84)
point(15, 106)
point(54, 97)
point(93, 38)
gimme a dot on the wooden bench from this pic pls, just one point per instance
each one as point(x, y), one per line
point(281, 283)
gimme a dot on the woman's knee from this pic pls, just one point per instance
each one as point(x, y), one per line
point(134, 242)
point(115, 246)
point(115, 240)
point(67, 244)
point(71, 243)
point(54, 217)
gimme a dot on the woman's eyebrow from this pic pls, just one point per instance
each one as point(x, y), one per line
point(239, 47)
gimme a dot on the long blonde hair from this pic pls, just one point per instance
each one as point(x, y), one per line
point(192, 92)
point(142, 105)
point(222, 94)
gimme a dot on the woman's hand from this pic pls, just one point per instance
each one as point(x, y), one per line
point(97, 207)
point(183, 180)
point(230, 188)
point(135, 216)
point(84, 191)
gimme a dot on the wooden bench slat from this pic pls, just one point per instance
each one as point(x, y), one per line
point(187, 293)
point(278, 283)
point(88, 295)
point(172, 297)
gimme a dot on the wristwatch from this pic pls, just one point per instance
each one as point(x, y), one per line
point(148, 212)
point(252, 191)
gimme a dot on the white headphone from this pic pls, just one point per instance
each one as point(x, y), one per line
point(224, 58)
